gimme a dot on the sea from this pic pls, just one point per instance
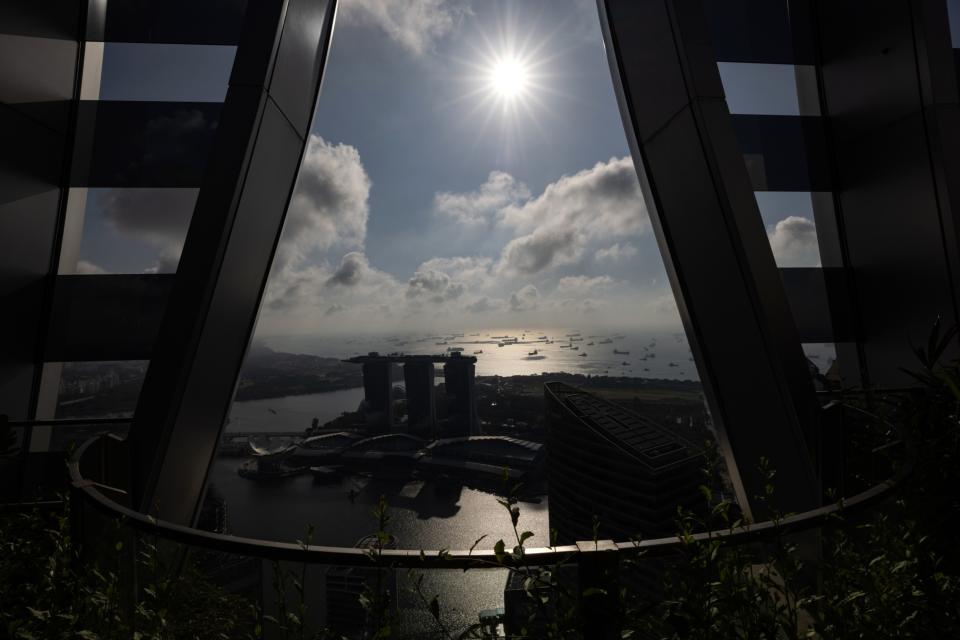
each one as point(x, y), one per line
point(427, 515)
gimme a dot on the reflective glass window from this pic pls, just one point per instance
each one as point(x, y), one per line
point(135, 230)
point(175, 21)
point(784, 153)
point(790, 223)
point(106, 389)
point(165, 72)
point(751, 30)
point(823, 365)
point(953, 12)
point(770, 89)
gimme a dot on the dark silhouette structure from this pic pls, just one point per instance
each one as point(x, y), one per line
point(378, 394)
point(611, 468)
point(460, 411)
point(458, 375)
point(418, 378)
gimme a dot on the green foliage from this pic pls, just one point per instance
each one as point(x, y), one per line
point(48, 591)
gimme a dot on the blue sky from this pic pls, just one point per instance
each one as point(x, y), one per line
point(427, 200)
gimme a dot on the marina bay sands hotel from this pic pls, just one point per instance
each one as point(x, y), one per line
point(458, 413)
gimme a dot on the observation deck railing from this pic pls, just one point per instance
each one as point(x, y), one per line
point(93, 480)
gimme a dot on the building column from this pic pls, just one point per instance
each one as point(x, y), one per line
point(717, 256)
point(260, 141)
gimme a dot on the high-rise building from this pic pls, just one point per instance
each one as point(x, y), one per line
point(418, 378)
point(378, 393)
point(612, 469)
point(458, 374)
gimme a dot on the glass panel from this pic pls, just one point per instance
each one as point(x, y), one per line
point(769, 89)
point(784, 153)
point(753, 31)
point(144, 144)
point(175, 21)
point(100, 389)
point(953, 11)
point(822, 360)
point(164, 72)
point(135, 230)
point(789, 220)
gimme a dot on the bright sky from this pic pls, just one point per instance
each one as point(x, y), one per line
point(468, 169)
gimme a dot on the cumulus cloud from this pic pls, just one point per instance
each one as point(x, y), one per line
point(596, 204)
point(542, 249)
point(472, 271)
point(331, 203)
point(319, 289)
point(583, 285)
point(480, 206)
point(794, 242)
point(434, 285)
point(329, 209)
point(416, 25)
point(605, 200)
point(615, 253)
point(525, 299)
point(354, 267)
point(579, 305)
point(484, 305)
point(289, 289)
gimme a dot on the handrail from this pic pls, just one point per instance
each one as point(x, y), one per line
point(35, 505)
point(484, 558)
point(65, 422)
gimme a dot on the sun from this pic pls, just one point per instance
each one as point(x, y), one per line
point(509, 78)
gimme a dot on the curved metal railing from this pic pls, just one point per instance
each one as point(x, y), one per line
point(93, 493)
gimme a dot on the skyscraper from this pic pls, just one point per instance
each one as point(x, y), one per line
point(418, 377)
point(612, 468)
point(458, 375)
point(378, 394)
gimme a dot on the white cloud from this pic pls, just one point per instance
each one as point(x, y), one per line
point(603, 201)
point(480, 206)
point(597, 204)
point(330, 206)
point(794, 242)
point(543, 249)
point(484, 305)
point(474, 272)
point(416, 25)
point(329, 209)
point(583, 285)
point(615, 253)
point(525, 299)
point(433, 285)
point(353, 267)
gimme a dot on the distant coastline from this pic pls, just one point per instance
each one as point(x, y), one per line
point(112, 388)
